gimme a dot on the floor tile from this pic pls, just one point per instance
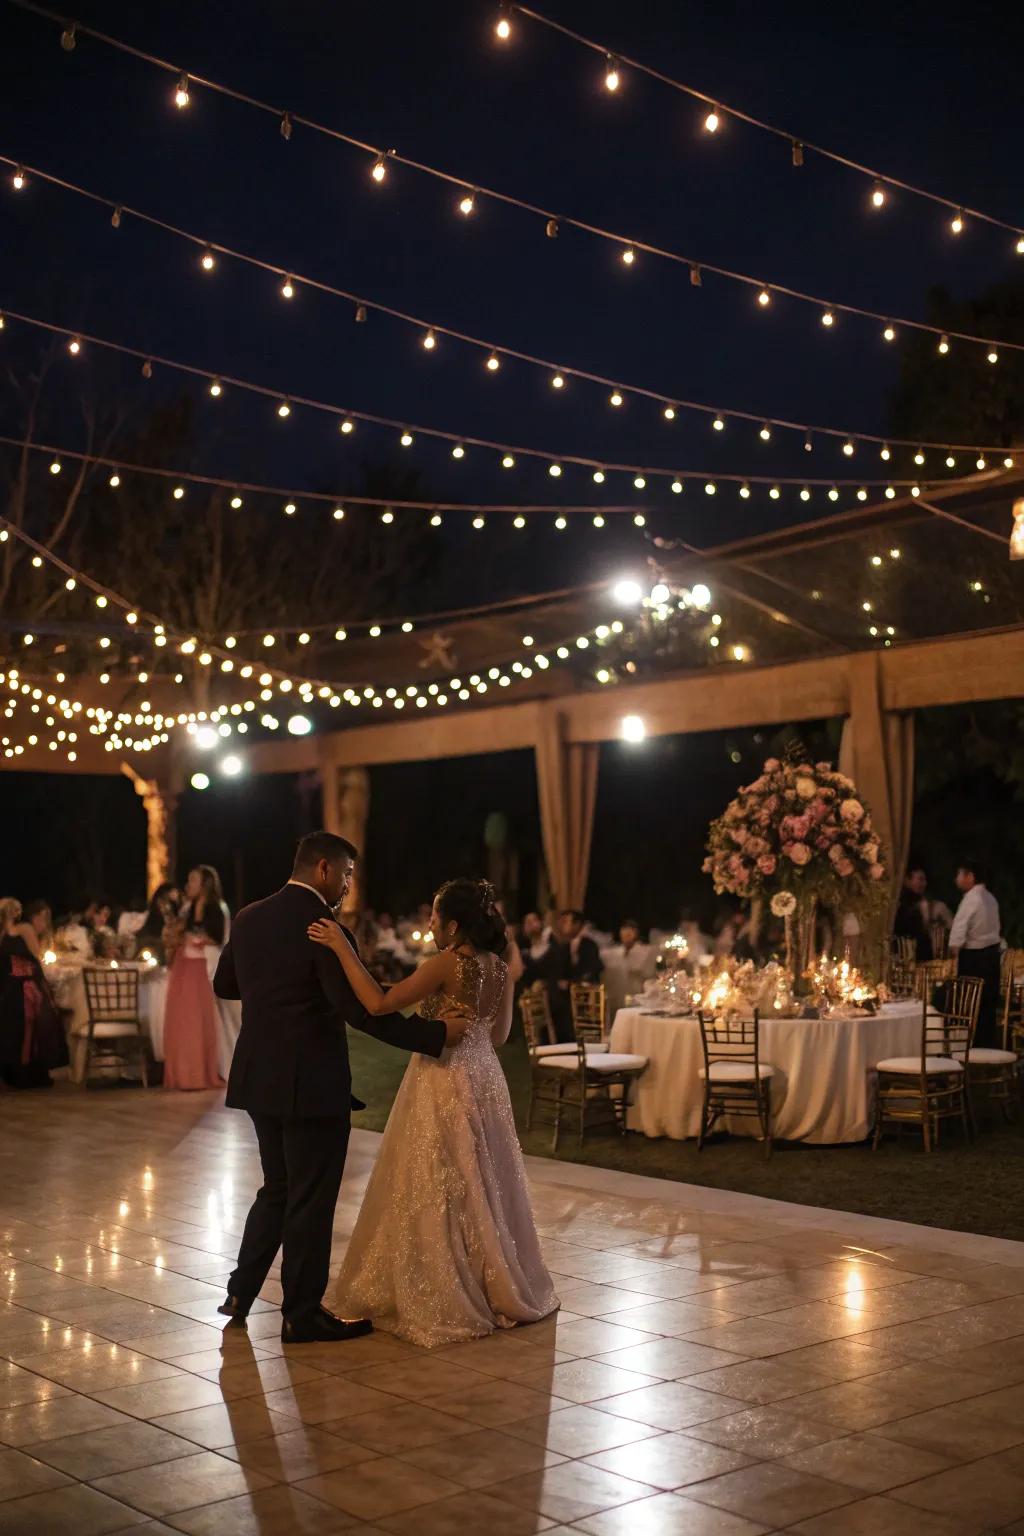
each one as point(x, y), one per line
point(868, 1462)
point(466, 1513)
point(669, 1358)
point(118, 1448)
point(69, 1414)
point(20, 1385)
point(204, 1478)
point(22, 1474)
point(71, 1511)
point(333, 1397)
point(171, 1394)
point(669, 1461)
point(271, 1512)
point(987, 1492)
point(763, 1432)
point(382, 1486)
point(579, 1431)
point(773, 1493)
point(223, 1424)
point(297, 1454)
point(416, 1379)
point(570, 1491)
point(584, 1381)
point(404, 1427)
point(481, 1459)
point(496, 1403)
point(669, 1514)
point(670, 1405)
point(951, 1432)
point(882, 1516)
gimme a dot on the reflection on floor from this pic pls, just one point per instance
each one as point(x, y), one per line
point(721, 1366)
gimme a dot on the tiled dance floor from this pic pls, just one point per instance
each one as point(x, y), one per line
point(722, 1366)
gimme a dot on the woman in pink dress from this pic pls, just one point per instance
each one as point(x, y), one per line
point(190, 1019)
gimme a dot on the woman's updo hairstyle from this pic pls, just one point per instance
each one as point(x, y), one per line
point(470, 905)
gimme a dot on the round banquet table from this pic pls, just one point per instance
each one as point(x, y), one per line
point(822, 1089)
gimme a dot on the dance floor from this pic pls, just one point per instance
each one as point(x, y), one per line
point(721, 1366)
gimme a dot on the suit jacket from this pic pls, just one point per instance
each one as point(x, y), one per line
point(292, 1053)
point(586, 967)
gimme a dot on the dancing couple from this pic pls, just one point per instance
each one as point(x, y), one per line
point(445, 1247)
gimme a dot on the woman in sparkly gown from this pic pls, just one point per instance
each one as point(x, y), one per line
point(445, 1246)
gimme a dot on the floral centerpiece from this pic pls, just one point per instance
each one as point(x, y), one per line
point(798, 835)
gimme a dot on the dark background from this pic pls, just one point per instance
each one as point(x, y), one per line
point(930, 93)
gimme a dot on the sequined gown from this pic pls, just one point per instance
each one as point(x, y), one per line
point(445, 1246)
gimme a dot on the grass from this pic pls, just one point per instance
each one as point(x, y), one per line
point(977, 1188)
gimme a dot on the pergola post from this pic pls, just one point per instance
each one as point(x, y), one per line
point(159, 805)
point(878, 754)
point(567, 793)
point(346, 796)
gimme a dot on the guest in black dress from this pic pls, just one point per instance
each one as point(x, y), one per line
point(163, 909)
point(32, 1039)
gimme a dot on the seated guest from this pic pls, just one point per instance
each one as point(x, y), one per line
point(576, 958)
point(191, 1053)
point(32, 1040)
point(163, 910)
point(535, 947)
point(627, 965)
point(976, 941)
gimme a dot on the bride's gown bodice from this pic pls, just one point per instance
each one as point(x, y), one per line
point(445, 1246)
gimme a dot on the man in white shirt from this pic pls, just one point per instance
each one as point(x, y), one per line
point(975, 941)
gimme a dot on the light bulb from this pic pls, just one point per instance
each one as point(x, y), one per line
point(980, 462)
point(629, 256)
point(805, 494)
point(889, 334)
point(478, 522)
point(338, 514)
point(387, 518)
point(878, 196)
point(615, 398)
point(774, 493)
point(1019, 247)
point(669, 413)
point(560, 523)
point(178, 492)
point(503, 29)
point(890, 493)
point(919, 457)
point(639, 482)
point(943, 345)
point(115, 480)
point(284, 409)
point(181, 93)
point(677, 487)
point(885, 453)
point(18, 179)
point(599, 521)
point(764, 298)
point(950, 461)
point(467, 204)
point(956, 223)
point(765, 433)
point(290, 509)
point(493, 363)
point(833, 494)
point(55, 467)
point(611, 75)
point(718, 424)
point(75, 346)
point(216, 388)
point(848, 449)
point(406, 439)
point(862, 494)
point(208, 260)
point(519, 522)
point(458, 452)
point(639, 521)
point(713, 121)
point(380, 168)
point(598, 477)
point(993, 356)
point(745, 492)
point(554, 470)
point(557, 381)
point(1007, 463)
point(287, 289)
point(347, 425)
point(429, 341)
point(710, 488)
point(828, 318)
point(507, 461)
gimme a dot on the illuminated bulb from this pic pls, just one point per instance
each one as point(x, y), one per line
point(493, 363)
point(805, 494)
point(507, 462)
point(956, 223)
point(615, 398)
point(862, 494)
point(430, 341)
point(216, 388)
point(435, 521)
point(503, 29)
point(115, 480)
point(710, 488)
point(560, 523)
point(677, 487)
point(885, 453)
point(467, 204)
point(478, 522)
point(718, 424)
point(943, 345)
point(774, 493)
point(71, 584)
point(598, 477)
point(848, 449)
point(828, 318)
point(380, 168)
point(980, 462)
point(639, 482)
point(208, 260)
point(287, 289)
point(554, 470)
point(611, 75)
point(993, 356)
point(406, 439)
point(181, 94)
point(458, 452)
point(599, 521)
point(290, 509)
point(915, 490)
point(878, 196)
point(889, 493)
point(75, 346)
point(639, 521)
point(284, 409)
point(739, 652)
point(950, 461)
point(745, 492)
point(55, 467)
point(919, 457)
point(387, 517)
point(557, 381)
point(660, 593)
point(178, 492)
point(347, 426)
point(374, 631)
point(764, 298)
point(18, 179)
point(669, 413)
point(889, 334)
point(338, 514)
point(1019, 247)
point(833, 494)
point(519, 522)
point(765, 433)
point(268, 640)
point(303, 640)
point(713, 121)
point(633, 728)
point(1007, 463)
point(236, 502)
point(629, 256)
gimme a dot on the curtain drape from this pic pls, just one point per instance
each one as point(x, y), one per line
point(567, 794)
point(877, 752)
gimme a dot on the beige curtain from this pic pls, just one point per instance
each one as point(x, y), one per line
point(567, 792)
point(877, 752)
point(346, 795)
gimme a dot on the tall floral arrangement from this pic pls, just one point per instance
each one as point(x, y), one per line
point(799, 828)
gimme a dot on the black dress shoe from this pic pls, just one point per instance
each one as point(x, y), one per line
point(322, 1327)
point(236, 1308)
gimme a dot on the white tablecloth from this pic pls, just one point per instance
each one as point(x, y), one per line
point(69, 991)
point(823, 1086)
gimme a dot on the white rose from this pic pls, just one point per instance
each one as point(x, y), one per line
point(806, 788)
point(851, 810)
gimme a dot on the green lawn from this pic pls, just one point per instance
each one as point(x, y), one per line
point(979, 1188)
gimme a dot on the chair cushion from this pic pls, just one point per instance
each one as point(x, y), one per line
point(912, 1064)
point(737, 1071)
point(117, 1030)
point(990, 1056)
point(609, 1063)
point(592, 1048)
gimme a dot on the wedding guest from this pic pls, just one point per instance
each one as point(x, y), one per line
point(32, 1040)
point(976, 941)
point(627, 965)
point(535, 946)
point(577, 958)
point(918, 914)
point(191, 1018)
point(163, 911)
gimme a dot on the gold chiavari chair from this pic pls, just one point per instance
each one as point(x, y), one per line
point(938, 933)
point(534, 1002)
point(904, 947)
point(114, 1030)
point(535, 1012)
point(736, 1080)
point(929, 974)
point(997, 1069)
point(584, 1076)
point(587, 1000)
point(927, 1089)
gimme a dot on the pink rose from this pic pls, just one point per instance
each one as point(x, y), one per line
point(844, 868)
point(805, 768)
point(851, 810)
point(799, 853)
point(821, 843)
point(742, 876)
point(772, 765)
point(771, 804)
point(837, 853)
point(766, 863)
point(876, 871)
point(818, 810)
point(823, 767)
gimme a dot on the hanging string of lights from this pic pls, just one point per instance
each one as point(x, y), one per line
point(558, 375)
point(508, 453)
point(471, 194)
point(718, 115)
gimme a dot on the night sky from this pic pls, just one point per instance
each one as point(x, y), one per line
point(927, 93)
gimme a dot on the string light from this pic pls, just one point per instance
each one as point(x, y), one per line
point(629, 256)
point(713, 121)
point(507, 461)
point(889, 334)
point(503, 29)
point(611, 75)
point(493, 363)
point(669, 413)
point(380, 168)
point(598, 477)
point(943, 345)
point(828, 318)
point(406, 439)
point(429, 341)
point(75, 346)
point(765, 433)
point(346, 426)
point(993, 356)
point(208, 260)
point(764, 298)
point(956, 223)
point(181, 94)
point(18, 179)
point(557, 381)
point(878, 195)
point(216, 388)
point(615, 398)
point(467, 204)
point(284, 409)
point(287, 289)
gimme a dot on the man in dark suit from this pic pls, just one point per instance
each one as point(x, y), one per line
point(576, 958)
point(291, 1074)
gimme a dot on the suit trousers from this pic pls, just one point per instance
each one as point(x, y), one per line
point(986, 964)
point(303, 1161)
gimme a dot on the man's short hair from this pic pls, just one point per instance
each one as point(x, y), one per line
point(323, 845)
point(573, 912)
point(976, 867)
